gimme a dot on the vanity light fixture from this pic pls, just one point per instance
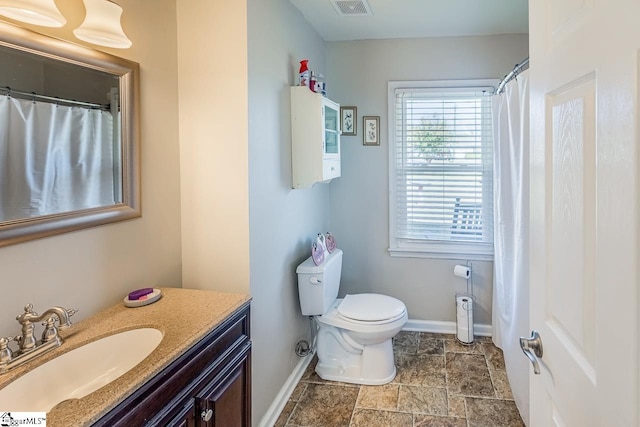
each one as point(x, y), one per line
point(102, 26)
point(37, 12)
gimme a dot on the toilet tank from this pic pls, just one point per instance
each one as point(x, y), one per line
point(318, 284)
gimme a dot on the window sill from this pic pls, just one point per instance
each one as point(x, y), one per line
point(440, 254)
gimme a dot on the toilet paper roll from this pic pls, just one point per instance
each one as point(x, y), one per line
point(464, 319)
point(462, 271)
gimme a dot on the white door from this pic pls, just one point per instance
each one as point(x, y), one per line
point(584, 211)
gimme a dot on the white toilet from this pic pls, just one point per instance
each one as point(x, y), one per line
point(354, 335)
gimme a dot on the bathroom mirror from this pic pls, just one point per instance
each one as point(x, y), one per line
point(69, 144)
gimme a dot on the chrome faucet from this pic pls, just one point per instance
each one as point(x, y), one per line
point(28, 346)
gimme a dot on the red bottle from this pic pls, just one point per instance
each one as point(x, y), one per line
point(304, 73)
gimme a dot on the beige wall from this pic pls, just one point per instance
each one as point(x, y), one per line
point(92, 269)
point(212, 64)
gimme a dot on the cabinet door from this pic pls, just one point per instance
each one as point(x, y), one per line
point(331, 129)
point(227, 402)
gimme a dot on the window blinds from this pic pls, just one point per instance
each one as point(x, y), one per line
point(443, 165)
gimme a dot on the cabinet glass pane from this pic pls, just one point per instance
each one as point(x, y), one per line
point(331, 142)
point(331, 130)
point(330, 118)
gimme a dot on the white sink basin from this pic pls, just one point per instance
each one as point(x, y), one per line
point(79, 372)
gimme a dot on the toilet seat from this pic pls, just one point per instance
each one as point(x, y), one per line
point(371, 309)
point(334, 318)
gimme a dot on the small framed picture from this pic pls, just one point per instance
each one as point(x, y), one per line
point(348, 121)
point(371, 130)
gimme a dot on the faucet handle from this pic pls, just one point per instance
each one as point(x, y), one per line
point(5, 352)
point(28, 313)
point(72, 311)
point(50, 331)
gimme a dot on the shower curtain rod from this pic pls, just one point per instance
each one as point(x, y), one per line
point(35, 97)
point(512, 74)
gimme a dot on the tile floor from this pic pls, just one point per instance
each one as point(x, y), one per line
point(439, 383)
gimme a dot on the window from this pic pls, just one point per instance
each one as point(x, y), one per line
point(441, 167)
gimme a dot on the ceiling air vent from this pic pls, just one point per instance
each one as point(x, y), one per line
point(352, 7)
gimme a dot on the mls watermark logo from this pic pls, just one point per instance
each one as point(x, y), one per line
point(9, 419)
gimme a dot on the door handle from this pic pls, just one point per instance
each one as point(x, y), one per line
point(532, 348)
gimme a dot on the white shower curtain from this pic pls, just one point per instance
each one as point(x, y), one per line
point(54, 158)
point(511, 228)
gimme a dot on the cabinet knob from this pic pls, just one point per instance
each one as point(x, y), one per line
point(206, 415)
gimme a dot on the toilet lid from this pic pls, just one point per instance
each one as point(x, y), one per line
point(371, 307)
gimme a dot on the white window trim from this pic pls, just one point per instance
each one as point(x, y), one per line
point(434, 250)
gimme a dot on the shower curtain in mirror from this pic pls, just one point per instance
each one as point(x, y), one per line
point(53, 158)
point(511, 225)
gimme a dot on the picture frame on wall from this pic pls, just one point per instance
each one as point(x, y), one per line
point(349, 121)
point(371, 130)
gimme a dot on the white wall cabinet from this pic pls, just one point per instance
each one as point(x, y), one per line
point(315, 138)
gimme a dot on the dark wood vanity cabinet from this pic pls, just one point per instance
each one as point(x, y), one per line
point(220, 404)
point(208, 386)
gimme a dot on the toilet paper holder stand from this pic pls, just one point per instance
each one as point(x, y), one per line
point(464, 305)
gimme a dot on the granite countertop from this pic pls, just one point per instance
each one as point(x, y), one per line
point(184, 316)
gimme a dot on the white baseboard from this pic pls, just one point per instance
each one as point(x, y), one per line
point(278, 404)
point(438, 327)
point(269, 419)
